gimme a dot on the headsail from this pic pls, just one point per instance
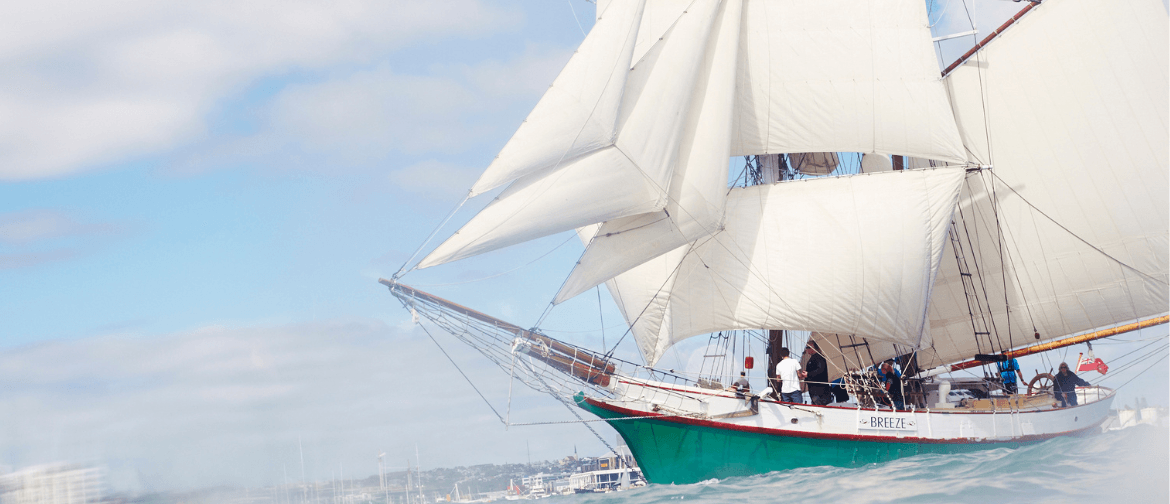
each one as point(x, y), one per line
point(578, 113)
point(698, 189)
point(627, 176)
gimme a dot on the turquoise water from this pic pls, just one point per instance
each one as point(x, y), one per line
point(1129, 466)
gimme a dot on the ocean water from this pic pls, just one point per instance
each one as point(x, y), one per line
point(1129, 466)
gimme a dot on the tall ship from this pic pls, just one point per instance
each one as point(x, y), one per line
point(898, 219)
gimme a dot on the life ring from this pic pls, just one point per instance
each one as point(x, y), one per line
point(1042, 382)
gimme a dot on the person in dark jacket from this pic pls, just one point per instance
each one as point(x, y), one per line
point(1064, 385)
point(893, 385)
point(818, 375)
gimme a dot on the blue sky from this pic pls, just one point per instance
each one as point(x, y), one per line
point(196, 203)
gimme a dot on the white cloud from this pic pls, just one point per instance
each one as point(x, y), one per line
point(363, 116)
point(90, 83)
point(174, 409)
point(38, 236)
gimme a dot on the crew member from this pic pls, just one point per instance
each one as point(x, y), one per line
point(788, 373)
point(1064, 385)
point(741, 386)
point(1008, 371)
point(893, 385)
point(817, 371)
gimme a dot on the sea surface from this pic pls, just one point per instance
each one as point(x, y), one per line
point(1128, 466)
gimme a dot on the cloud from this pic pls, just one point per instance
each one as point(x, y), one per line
point(363, 117)
point(87, 84)
point(38, 236)
point(227, 405)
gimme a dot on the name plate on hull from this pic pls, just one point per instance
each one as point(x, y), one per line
point(887, 422)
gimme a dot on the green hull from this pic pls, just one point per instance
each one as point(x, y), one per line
point(681, 453)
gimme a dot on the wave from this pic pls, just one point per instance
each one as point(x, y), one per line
point(1127, 464)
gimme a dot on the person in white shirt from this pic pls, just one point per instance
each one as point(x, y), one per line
point(788, 373)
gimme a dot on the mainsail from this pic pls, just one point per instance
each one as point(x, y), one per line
point(1069, 230)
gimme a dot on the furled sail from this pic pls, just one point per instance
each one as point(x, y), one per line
point(1069, 230)
point(698, 189)
point(814, 163)
point(860, 259)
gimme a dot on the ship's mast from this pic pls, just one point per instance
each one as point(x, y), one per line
point(773, 168)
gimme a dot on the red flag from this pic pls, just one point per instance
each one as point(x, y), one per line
point(1091, 364)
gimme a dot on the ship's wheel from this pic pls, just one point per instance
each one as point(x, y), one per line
point(1041, 383)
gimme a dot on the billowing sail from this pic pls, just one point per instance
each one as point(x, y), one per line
point(697, 190)
point(1076, 132)
point(1069, 230)
point(860, 258)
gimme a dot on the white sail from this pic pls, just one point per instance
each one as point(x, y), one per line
point(835, 268)
point(697, 189)
point(1079, 145)
point(1081, 165)
point(841, 77)
point(578, 113)
point(628, 177)
point(808, 77)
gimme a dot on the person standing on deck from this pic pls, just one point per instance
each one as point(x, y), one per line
point(893, 385)
point(788, 373)
point(817, 372)
point(1008, 371)
point(1064, 385)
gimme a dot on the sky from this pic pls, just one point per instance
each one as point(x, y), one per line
point(196, 202)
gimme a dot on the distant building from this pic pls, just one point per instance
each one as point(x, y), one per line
point(52, 484)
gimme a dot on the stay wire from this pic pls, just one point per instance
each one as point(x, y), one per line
point(570, 408)
point(1143, 371)
point(489, 277)
point(402, 270)
point(457, 368)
